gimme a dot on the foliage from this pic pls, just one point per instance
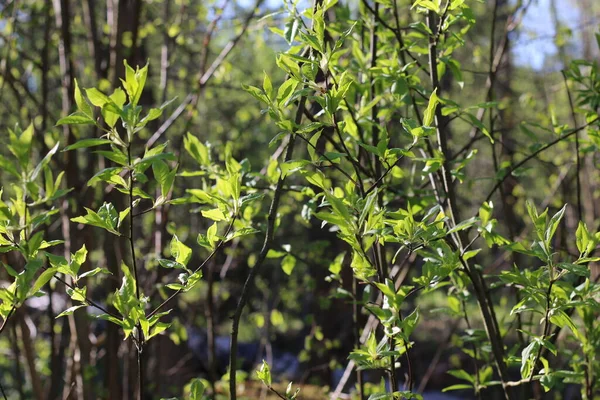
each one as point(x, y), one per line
point(362, 209)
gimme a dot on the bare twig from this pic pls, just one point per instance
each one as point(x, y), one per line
point(268, 241)
point(577, 156)
point(535, 154)
point(192, 97)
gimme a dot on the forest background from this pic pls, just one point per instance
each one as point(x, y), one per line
point(514, 110)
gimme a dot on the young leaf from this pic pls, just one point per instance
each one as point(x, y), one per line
point(180, 251)
point(215, 214)
point(82, 104)
point(196, 149)
point(288, 263)
point(429, 114)
point(97, 98)
point(264, 374)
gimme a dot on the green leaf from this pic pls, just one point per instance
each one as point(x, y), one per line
point(462, 374)
point(97, 98)
point(111, 114)
point(553, 224)
point(429, 114)
point(94, 272)
point(125, 299)
point(460, 386)
point(109, 175)
point(84, 143)
point(264, 374)
point(43, 162)
point(267, 85)
point(257, 93)
point(336, 266)
point(196, 389)
point(106, 218)
point(158, 328)
point(78, 294)
point(288, 263)
point(70, 310)
point(180, 251)
point(134, 82)
point(580, 270)
point(9, 166)
point(583, 238)
point(170, 264)
point(313, 144)
point(427, 4)
point(196, 149)
point(561, 318)
point(42, 280)
point(528, 355)
point(215, 214)
point(76, 119)
point(77, 260)
point(316, 178)
point(291, 29)
point(339, 207)
point(285, 91)
point(161, 171)
point(82, 104)
point(153, 114)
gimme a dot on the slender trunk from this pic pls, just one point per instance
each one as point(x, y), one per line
point(17, 352)
point(94, 43)
point(210, 327)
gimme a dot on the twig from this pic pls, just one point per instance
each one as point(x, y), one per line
point(2, 390)
point(139, 340)
point(535, 154)
point(333, 165)
point(269, 236)
point(204, 78)
point(210, 256)
point(387, 171)
point(396, 31)
point(4, 62)
point(276, 392)
point(10, 313)
point(87, 299)
point(369, 326)
point(577, 157)
point(546, 320)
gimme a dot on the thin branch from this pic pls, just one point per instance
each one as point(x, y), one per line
point(333, 165)
point(535, 154)
point(87, 299)
point(10, 313)
point(276, 393)
point(4, 62)
point(546, 320)
point(577, 156)
point(210, 256)
point(190, 98)
point(397, 33)
point(387, 171)
point(269, 236)
point(2, 390)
